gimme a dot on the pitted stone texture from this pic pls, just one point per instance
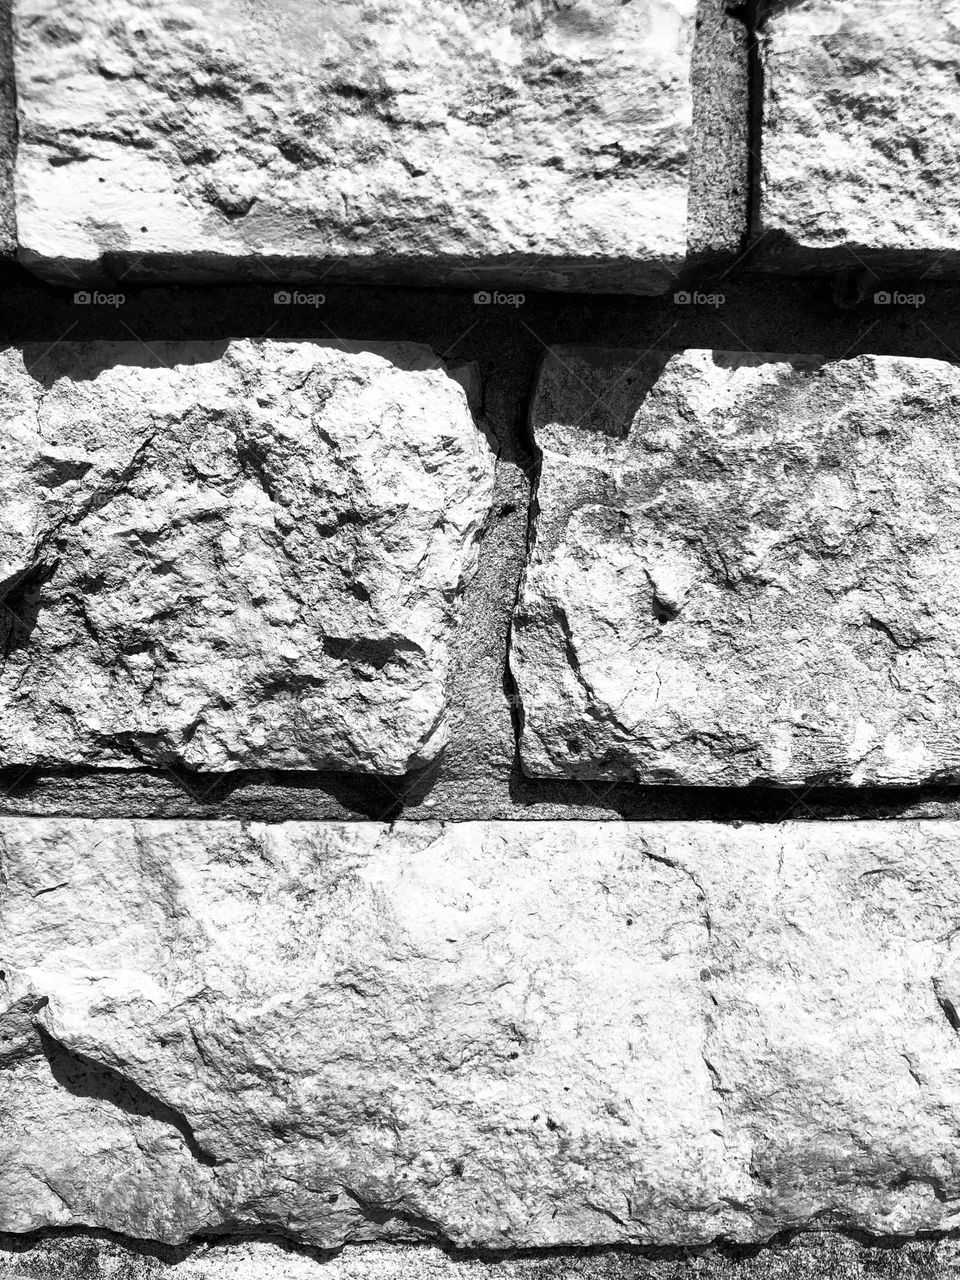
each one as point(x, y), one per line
point(408, 140)
point(745, 568)
point(860, 133)
point(230, 555)
point(8, 137)
point(490, 1035)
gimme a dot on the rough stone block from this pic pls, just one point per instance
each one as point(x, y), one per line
point(745, 568)
point(860, 136)
point(233, 554)
point(412, 140)
point(497, 1035)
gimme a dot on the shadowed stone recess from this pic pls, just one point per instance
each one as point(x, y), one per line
point(745, 568)
point(498, 1035)
point(233, 555)
point(860, 131)
point(402, 140)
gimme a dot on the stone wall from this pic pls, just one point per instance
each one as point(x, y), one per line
point(479, 544)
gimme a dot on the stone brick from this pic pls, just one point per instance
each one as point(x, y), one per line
point(860, 136)
point(497, 1035)
point(407, 140)
point(234, 554)
point(745, 568)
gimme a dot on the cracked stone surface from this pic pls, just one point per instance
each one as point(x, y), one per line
point(233, 554)
point(490, 1035)
point(745, 568)
point(861, 120)
point(408, 139)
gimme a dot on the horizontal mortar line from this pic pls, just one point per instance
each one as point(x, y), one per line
point(297, 778)
point(265, 796)
point(16, 1242)
point(31, 310)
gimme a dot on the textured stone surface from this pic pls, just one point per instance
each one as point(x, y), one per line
point(487, 1034)
point(861, 125)
point(235, 554)
point(718, 204)
point(745, 567)
point(414, 139)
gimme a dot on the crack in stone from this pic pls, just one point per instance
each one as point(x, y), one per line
point(713, 1074)
point(382, 1214)
point(946, 1004)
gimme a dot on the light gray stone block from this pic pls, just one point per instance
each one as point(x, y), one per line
point(744, 568)
point(492, 1035)
point(860, 136)
point(230, 555)
point(409, 140)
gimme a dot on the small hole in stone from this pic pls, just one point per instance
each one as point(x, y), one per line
point(629, 919)
point(574, 745)
point(662, 611)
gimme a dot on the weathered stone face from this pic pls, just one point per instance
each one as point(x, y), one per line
point(411, 139)
point(745, 568)
point(488, 1034)
point(861, 121)
point(232, 555)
